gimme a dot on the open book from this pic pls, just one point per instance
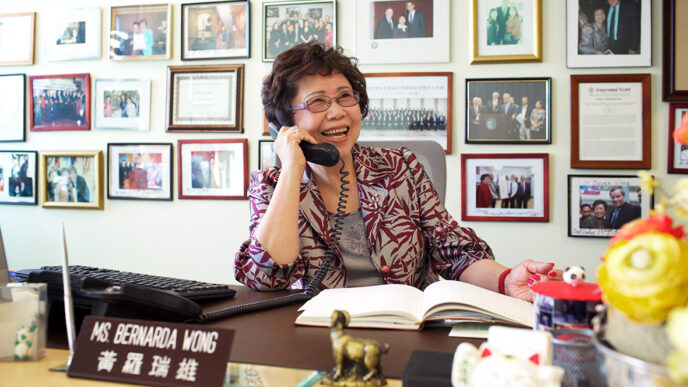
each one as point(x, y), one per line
point(405, 307)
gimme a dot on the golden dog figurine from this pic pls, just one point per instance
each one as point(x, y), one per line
point(357, 360)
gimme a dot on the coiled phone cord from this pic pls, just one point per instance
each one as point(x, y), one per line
point(312, 287)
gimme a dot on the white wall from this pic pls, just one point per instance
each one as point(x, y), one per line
point(197, 238)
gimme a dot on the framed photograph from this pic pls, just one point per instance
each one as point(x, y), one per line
point(674, 51)
point(122, 104)
point(60, 102)
point(72, 34)
point(286, 24)
point(213, 169)
point(388, 31)
point(12, 107)
point(139, 171)
point(140, 32)
point(17, 35)
point(18, 171)
point(217, 30)
point(610, 121)
point(72, 179)
point(600, 205)
point(267, 158)
point(678, 154)
point(409, 106)
point(599, 34)
point(505, 187)
point(205, 98)
point(509, 111)
point(507, 31)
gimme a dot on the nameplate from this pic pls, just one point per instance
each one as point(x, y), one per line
point(151, 352)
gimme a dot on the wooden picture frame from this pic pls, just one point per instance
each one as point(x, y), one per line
point(12, 107)
point(205, 98)
point(492, 46)
point(154, 39)
point(213, 169)
point(491, 120)
point(674, 51)
point(139, 171)
point(504, 199)
point(606, 126)
point(18, 177)
point(410, 119)
point(677, 155)
point(72, 179)
point(596, 192)
point(210, 41)
point(60, 102)
point(19, 48)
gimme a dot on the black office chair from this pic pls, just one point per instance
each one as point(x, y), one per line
point(429, 153)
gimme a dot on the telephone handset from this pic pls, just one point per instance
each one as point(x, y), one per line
point(323, 154)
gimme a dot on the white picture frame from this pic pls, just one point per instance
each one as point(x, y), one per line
point(115, 116)
point(434, 48)
point(12, 107)
point(17, 38)
point(72, 34)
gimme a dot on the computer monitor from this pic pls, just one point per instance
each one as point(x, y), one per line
point(4, 275)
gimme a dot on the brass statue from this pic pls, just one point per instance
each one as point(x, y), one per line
point(358, 360)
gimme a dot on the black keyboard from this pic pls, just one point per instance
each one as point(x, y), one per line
point(192, 290)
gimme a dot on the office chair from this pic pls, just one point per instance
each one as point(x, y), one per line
point(429, 153)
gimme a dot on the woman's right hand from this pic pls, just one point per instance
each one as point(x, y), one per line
point(288, 149)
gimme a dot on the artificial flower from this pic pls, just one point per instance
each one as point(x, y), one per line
point(647, 183)
point(660, 208)
point(680, 198)
point(681, 133)
point(677, 332)
point(646, 276)
point(656, 223)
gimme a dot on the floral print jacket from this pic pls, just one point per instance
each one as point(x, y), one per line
point(412, 239)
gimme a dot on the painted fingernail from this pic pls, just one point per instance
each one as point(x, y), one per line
point(530, 281)
point(537, 277)
point(551, 274)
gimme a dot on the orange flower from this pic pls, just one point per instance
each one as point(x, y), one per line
point(657, 223)
point(681, 133)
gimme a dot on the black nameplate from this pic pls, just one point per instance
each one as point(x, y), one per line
point(151, 352)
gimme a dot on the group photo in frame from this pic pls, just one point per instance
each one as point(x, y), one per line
point(205, 98)
point(409, 106)
point(122, 104)
point(140, 32)
point(215, 30)
point(674, 51)
point(505, 187)
point(72, 179)
point(608, 33)
point(139, 171)
point(398, 31)
point(17, 38)
point(60, 102)
point(677, 160)
point(507, 31)
point(18, 172)
point(610, 121)
point(286, 24)
point(267, 158)
point(74, 34)
point(509, 111)
point(600, 205)
point(213, 169)
point(12, 107)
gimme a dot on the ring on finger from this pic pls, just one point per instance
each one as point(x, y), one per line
point(294, 128)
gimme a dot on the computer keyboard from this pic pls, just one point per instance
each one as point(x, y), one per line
point(192, 290)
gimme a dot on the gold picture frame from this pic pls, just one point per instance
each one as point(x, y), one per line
point(72, 179)
point(523, 43)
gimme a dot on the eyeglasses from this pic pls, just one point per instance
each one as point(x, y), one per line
point(320, 103)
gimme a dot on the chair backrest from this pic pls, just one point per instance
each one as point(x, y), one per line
point(429, 153)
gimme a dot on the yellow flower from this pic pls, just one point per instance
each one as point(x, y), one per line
point(680, 199)
point(677, 331)
point(648, 183)
point(645, 277)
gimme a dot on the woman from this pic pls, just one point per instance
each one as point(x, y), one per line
point(599, 216)
point(401, 30)
point(107, 110)
point(274, 41)
point(408, 236)
point(512, 27)
point(594, 38)
point(537, 121)
point(328, 36)
point(306, 34)
point(493, 28)
point(132, 110)
point(483, 194)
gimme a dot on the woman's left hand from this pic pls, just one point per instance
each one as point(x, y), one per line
point(517, 283)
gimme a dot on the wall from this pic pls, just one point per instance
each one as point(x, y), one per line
point(197, 238)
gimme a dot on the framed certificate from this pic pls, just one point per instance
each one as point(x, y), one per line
point(205, 98)
point(610, 121)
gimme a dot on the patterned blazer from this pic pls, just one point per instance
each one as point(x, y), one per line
point(412, 239)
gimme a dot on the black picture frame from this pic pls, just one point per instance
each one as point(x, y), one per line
point(7, 183)
point(124, 191)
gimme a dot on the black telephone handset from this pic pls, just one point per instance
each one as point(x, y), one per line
point(323, 154)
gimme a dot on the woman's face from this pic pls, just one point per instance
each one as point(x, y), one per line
point(538, 105)
point(339, 125)
point(493, 14)
point(107, 99)
point(600, 211)
point(599, 16)
point(402, 20)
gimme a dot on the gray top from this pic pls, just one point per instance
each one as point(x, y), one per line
point(353, 245)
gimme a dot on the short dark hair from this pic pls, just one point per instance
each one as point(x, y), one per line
point(483, 176)
point(585, 205)
point(602, 202)
point(623, 193)
point(281, 85)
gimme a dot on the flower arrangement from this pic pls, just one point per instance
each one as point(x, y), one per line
point(644, 273)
